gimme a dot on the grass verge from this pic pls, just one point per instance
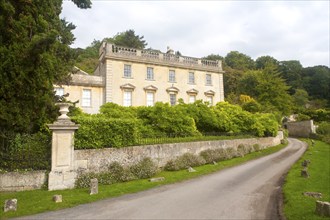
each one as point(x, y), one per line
point(37, 201)
point(296, 205)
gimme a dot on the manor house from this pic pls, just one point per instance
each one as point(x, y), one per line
point(132, 77)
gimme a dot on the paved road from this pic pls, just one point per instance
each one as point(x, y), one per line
point(248, 191)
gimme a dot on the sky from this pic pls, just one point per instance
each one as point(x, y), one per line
point(285, 30)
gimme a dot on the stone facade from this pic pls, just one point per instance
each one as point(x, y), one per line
point(97, 160)
point(133, 77)
point(20, 181)
point(300, 128)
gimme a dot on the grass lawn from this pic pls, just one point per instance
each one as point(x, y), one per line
point(36, 201)
point(296, 205)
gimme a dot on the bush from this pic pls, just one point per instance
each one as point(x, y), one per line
point(96, 131)
point(214, 155)
point(256, 147)
point(84, 180)
point(145, 168)
point(184, 161)
point(25, 151)
point(120, 174)
point(241, 150)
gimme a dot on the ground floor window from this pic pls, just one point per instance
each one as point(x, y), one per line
point(209, 99)
point(127, 98)
point(192, 98)
point(86, 98)
point(172, 99)
point(150, 98)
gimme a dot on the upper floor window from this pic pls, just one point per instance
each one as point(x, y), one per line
point(127, 71)
point(208, 79)
point(59, 91)
point(171, 76)
point(191, 78)
point(86, 98)
point(150, 73)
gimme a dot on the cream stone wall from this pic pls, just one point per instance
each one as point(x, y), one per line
point(161, 82)
point(76, 93)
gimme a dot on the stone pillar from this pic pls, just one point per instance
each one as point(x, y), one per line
point(63, 174)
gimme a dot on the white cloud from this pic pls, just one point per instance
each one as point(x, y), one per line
point(286, 30)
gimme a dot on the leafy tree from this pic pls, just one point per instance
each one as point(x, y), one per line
point(291, 71)
point(129, 39)
point(268, 88)
point(34, 54)
point(300, 98)
point(239, 61)
point(88, 58)
point(316, 81)
point(263, 61)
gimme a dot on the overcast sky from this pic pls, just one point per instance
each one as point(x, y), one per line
point(288, 30)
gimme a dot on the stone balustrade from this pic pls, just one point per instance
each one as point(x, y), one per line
point(112, 50)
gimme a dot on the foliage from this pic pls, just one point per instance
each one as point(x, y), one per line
point(268, 88)
point(240, 61)
point(97, 131)
point(184, 161)
point(129, 39)
point(215, 155)
point(113, 110)
point(34, 55)
point(165, 119)
point(24, 151)
point(264, 61)
point(296, 205)
point(145, 168)
point(323, 130)
point(318, 115)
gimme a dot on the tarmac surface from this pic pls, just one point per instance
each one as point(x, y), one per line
point(248, 191)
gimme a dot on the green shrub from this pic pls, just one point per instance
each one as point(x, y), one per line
point(184, 161)
point(241, 150)
point(120, 174)
point(145, 168)
point(84, 180)
point(25, 151)
point(96, 131)
point(214, 155)
point(256, 147)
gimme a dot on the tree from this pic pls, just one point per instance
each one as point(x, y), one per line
point(268, 88)
point(129, 39)
point(88, 58)
point(34, 54)
point(316, 81)
point(291, 71)
point(239, 61)
point(263, 61)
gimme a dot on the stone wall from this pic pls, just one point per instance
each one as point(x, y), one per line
point(300, 128)
point(16, 181)
point(96, 160)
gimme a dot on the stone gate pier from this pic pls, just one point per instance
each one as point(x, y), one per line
point(62, 175)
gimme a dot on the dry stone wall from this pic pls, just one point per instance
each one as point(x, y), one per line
point(97, 160)
point(19, 181)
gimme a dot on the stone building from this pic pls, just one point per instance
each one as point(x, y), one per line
point(132, 77)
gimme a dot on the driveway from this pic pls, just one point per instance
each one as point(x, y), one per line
point(248, 191)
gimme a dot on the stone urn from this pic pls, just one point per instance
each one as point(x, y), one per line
point(64, 109)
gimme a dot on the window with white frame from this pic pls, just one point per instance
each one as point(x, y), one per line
point(150, 73)
point(209, 99)
point(172, 99)
point(127, 98)
point(59, 91)
point(191, 78)
point(150, 98)
point(192, 98)
point(208, 79)
point(171, 76)
point(127, 71)
point(86, 98)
